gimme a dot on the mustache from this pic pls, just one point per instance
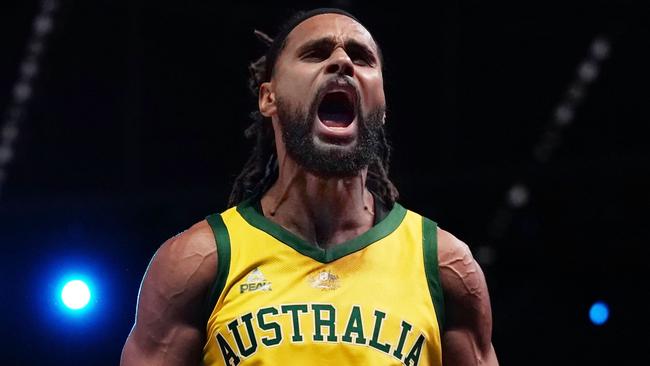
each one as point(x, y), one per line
point(341, 81)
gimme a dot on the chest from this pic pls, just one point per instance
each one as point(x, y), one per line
point(373, 303)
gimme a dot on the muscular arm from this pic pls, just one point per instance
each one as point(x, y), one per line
point(467, 337)
point(168, 327)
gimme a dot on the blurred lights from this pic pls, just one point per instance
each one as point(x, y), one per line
point(518, 196)
point(9, 132)
point(29, 68)
point(588, 71)
point(75, 294)
point(600, 48)
point(22, 92)
point(562, 117)
point(43, 25)
point(23, 89)
point(5, 155)
point(599, 313)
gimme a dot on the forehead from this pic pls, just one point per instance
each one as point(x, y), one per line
point(336, 26)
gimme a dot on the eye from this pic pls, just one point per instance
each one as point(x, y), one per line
point(361, 61)
point(316, 55)
point(361, 58)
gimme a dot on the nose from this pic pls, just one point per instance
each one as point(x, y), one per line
point(340, 63)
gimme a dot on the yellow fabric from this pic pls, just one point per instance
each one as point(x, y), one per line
point(377, 299)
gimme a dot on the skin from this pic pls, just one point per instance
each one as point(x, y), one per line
point(168, 328)
point(334, 207)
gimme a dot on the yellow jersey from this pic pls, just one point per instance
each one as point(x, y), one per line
point(279, 300)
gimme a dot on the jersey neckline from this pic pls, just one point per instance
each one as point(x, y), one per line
point(379, 231)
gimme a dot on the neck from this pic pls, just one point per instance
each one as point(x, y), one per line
point(323, 211)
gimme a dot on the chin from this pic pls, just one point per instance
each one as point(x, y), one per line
point(333, 145)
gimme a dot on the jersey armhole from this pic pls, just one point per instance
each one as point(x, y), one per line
point(431, 268)
point(222, 239)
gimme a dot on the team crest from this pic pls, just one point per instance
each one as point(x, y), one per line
point(255, 281)
point(324, 280)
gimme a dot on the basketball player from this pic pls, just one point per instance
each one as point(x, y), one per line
point(315, 263)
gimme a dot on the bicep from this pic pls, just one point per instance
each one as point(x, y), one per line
point(182, 346)
point(168, 328)
point(467, 338)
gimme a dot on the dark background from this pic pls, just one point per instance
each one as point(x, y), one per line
point(134, 131)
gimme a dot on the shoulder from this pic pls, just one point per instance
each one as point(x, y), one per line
point(187, 261)
point(461, 277)
point(198, 240)
point(452, 250)
point(460, 273)
point(169, 314)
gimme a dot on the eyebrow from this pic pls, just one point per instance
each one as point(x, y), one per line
point(330, 42)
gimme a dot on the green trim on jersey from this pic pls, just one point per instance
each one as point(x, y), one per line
point(222, 238)
point(377, 232)
point(430, 247)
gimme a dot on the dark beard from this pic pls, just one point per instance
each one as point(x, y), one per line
point(330, 161)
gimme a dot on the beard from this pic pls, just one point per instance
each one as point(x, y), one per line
point(329, 160)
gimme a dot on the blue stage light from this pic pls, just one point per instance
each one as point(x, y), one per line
point(599, 313)
point(75, 294)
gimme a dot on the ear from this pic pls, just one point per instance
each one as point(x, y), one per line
point(266, 100)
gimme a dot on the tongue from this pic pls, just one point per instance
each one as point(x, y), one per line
point(335, 119)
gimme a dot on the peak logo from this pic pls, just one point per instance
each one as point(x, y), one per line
point(255, 281)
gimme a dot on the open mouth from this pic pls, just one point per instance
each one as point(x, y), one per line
point(336, 109)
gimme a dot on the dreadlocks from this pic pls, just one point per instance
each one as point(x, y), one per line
point(260, 170)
